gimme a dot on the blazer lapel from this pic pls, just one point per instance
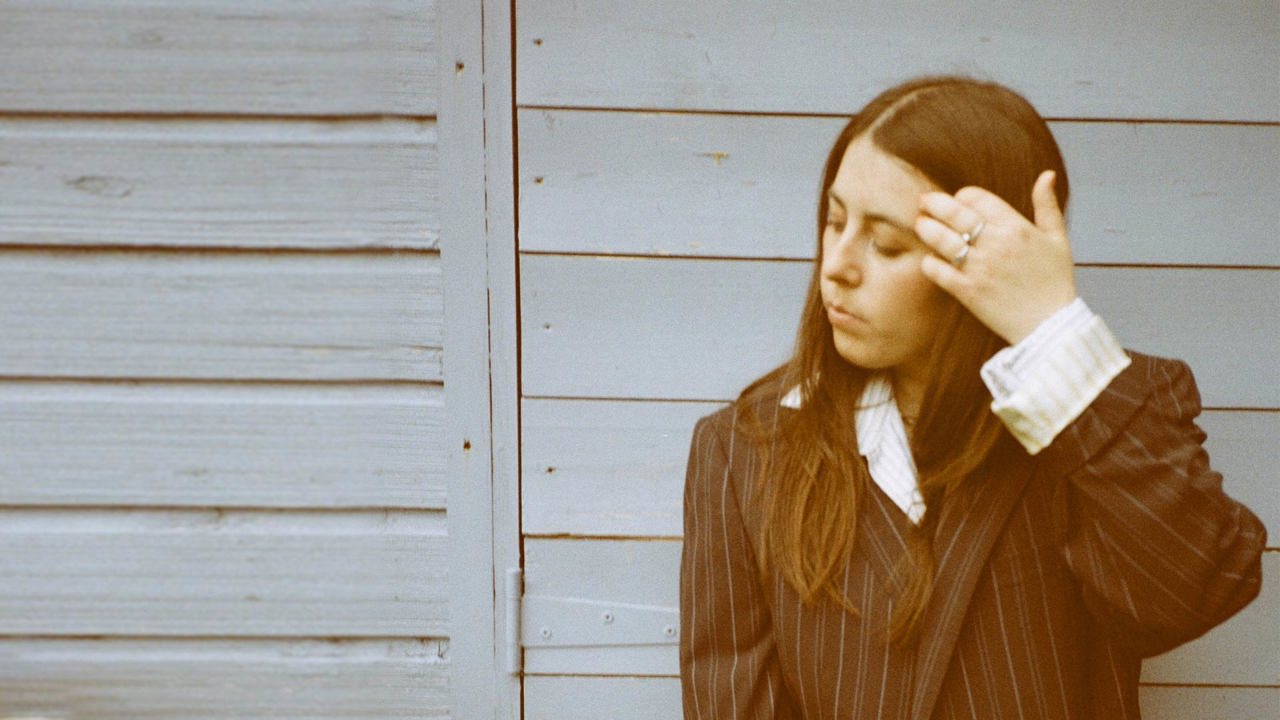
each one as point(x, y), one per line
point(966, 533)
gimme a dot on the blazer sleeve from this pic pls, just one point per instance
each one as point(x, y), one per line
point(1160, 553)
point(728, 662)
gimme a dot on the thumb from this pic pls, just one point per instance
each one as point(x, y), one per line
point(1045, 202)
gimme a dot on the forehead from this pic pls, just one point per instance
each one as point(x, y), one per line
point(870, 180)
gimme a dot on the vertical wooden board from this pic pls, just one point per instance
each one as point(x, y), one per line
point(702, 329)
point(605, 468)
point(1209, 703)
point(1241, 651)
point(207, 679)
point(478, 228)
point(219, 183)
point(747, 186)
point(259, 316)
point(602, 698)
point(222, 445)
point(223, 573)
point(639, 572)
point(1083, 59)
point(341, 57)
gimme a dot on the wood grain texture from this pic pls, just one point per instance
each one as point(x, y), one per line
point(189, 679)
point(1085, 59)
point(1238, 652)
point(482, 365)
point(259, 316)
point(289, 57)
point(603, 468)
point(658, 698)
point(222, 445)
point(746, 186)
point(216, 573)
point(702, 329)
point(228, 183)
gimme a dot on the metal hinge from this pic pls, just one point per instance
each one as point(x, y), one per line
point(543, 621)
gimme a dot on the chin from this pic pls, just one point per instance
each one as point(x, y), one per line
point(860, 354)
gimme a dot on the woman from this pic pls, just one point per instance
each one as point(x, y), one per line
point(960, 498)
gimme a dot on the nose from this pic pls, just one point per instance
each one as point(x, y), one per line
point(842, 259)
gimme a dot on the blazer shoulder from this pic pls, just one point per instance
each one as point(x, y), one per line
point(763, 401)
point(1169, 381)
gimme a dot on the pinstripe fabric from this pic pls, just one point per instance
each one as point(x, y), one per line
point(1056, 575)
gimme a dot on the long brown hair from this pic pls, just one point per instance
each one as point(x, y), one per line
point(957, 132)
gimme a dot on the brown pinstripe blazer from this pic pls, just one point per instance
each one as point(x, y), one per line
point(1056, 575)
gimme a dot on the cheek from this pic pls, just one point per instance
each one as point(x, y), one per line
point(919, 302)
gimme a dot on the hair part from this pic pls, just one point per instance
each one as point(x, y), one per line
point(813, 482)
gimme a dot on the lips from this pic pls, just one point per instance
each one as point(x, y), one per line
point(844, 319)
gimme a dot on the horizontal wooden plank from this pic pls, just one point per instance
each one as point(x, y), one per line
point(342, 57)
point(136, 314)
point(1209, 703)
point(646, 572)
point(623, 464)
point(702, 329)
point(229, 573)
point(1087, 59)
point(658, 698)
point(222, 445)
point(744, 186)
point(227, 183)
point(206, 679)
point(601, 698)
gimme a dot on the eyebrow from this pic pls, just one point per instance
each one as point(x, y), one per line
point(873, 217)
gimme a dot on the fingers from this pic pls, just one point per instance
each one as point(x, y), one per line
point(1045, 202)
point(955, 212)
point(946, 276)
point(939, 237)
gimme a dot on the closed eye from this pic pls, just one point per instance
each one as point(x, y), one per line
point(889, 251)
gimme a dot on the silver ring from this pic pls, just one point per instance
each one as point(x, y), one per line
point(973, 234)
point(958, 260)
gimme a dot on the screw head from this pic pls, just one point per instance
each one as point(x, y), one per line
point(606, 617)
point(669, 631)
point(545, 633)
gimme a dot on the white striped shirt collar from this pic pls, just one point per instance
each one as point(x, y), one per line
point(882, 440)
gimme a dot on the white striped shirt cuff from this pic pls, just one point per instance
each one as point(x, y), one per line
point(1043, 383)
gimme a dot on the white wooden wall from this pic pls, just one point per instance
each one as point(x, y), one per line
point(222, 478)
point(668, 155)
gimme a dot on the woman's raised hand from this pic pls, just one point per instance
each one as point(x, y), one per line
point(1015, 273)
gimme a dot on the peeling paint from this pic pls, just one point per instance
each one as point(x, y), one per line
point(102, 185)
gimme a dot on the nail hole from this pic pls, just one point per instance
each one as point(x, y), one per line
point(537, 180)
point(466, 445)
point(546, 326)
point(537, 41)
point(551, 470)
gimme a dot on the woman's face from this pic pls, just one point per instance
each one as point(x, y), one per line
point(884, 312)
